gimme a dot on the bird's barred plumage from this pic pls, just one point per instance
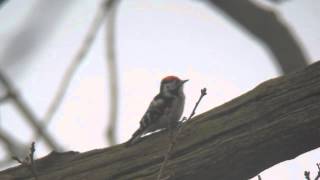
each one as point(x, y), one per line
point(165, 108)
point(157, 107)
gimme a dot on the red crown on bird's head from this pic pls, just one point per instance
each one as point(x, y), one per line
point(170, 78)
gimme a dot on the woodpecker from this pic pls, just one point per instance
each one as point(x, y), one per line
point(165, 109)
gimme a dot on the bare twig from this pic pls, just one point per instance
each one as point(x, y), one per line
point(259, 177)
point(28, 161)
point(31, 156)
point(203, 93)
point(318, 175)
point(17, 159)
point(307, 175)
point(26, 111)
point(174, 138)
point(112, 72)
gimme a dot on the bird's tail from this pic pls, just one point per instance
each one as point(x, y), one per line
point(135, 137)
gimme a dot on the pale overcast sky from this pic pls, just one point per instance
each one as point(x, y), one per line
point(154, 38)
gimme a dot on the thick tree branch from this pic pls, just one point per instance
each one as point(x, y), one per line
point(264, 24)
point(276, 121)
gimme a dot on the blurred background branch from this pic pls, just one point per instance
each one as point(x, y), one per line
point(2, 2)
point(24, 109)
point(112, 71)
point(34, 31)
point(264, 24)
point(76, 62)
point(104, 8)
point(12, 146)
point(4, 98)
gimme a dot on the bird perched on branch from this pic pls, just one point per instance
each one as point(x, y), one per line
point(164, 110)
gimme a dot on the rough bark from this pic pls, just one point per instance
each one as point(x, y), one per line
point(276, 121)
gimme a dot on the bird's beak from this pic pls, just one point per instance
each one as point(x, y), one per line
point(184, 81)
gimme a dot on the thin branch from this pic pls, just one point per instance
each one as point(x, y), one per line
point(307, 175)
point(112, 73)
point(259, 177)
point(318, 175)
point(17, 159)
point(24, 109)
point(173, 139)
point(203, 93)
point(31, 156)
point(28, 161)
point(75, 63)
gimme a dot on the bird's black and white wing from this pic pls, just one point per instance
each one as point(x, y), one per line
point(151, 118)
